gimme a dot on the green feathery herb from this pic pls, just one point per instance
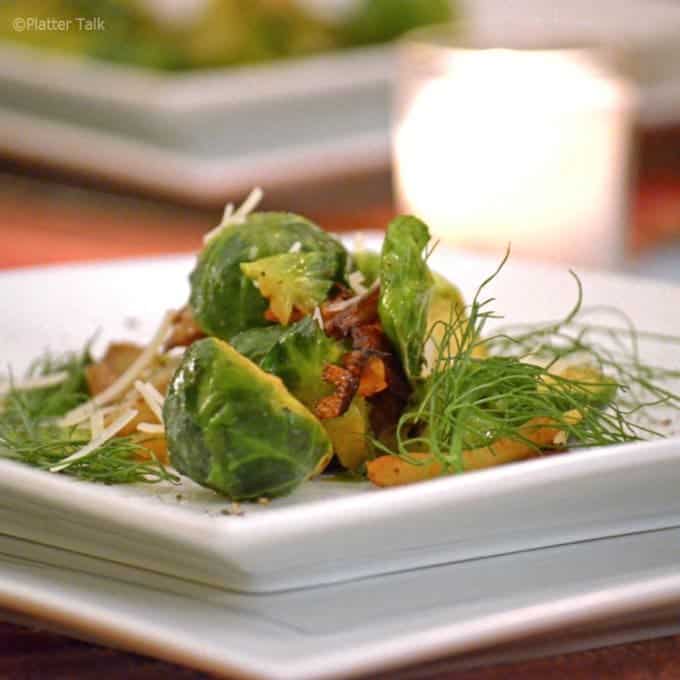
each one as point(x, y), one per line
point(468, 401)
point(29, 434)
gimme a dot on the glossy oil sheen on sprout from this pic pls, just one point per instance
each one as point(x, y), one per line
point(232, 427)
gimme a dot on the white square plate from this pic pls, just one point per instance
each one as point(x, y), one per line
point(330, 531)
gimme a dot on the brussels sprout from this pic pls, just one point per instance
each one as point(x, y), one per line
point(406, 288)
point(223, 300)
point(234, 428)
point(298, 358)
point(255, 343)
point(291, 281)
point(368, 263)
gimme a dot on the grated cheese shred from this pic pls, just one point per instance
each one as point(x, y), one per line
point(123, 382)
point(356, 282)
point(343, 304)
point(96, 423)
point(108, 433)
point(152, 397)
point(151, 428)
point(230, 217)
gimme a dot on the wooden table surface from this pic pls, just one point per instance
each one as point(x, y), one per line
point(45, 220)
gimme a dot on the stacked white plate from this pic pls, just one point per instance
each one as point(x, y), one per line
point(338, 578)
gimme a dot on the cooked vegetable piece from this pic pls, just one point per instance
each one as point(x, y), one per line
point(406, 288)
point(150, 446)
point(536, 434)
point(224, 301)
point(256, 343)
point(293, 281)
point(585, 380)
point(234, 428)
point(350, 434)
point(118, 358)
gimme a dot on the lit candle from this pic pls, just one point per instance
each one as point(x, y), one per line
point(528, 147)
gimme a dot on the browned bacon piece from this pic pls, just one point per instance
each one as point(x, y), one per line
point(339, 319)
point(345, 383)
point(369, 368)
point(185, 329)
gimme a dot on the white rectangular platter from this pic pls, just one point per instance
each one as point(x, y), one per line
point(330, 531)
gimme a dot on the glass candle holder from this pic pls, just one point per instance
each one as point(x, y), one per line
point(498, 142)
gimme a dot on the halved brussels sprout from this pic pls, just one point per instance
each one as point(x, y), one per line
point(293, 281)
point(406, 287)
point(234, 428)
point(223, 300)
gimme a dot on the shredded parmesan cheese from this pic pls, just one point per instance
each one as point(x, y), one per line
point(34, 383)
point(316, 315)
point(230, 217)
point(356, 282)
point(124, 381)
point(87, 416)
point(295, 248)
point(96, 423)
point(151, 428)
point(96, 442)
point(343, 304)
point(152, 397)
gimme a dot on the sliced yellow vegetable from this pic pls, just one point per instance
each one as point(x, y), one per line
point(540, 432)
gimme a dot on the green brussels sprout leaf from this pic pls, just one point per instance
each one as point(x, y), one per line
point(299, 357)
point(255, 343)
point(406, 288)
